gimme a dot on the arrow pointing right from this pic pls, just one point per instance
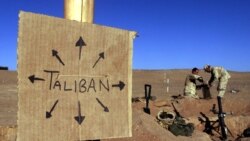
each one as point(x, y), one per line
point(121, 85)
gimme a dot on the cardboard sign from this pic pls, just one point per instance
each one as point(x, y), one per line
point(74, 80)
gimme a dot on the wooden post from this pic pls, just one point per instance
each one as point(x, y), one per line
point(79, 10)
point(166, 81)
point(167, 85)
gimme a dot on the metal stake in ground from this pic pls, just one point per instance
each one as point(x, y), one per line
point(147, 88)
point(221, 116)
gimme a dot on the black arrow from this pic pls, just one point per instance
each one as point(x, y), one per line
point(32, 78)
point(120, 85)
point(79, 118)
point(80, 43)
point(101, 55)
point(105, 107)
point(55, 53)
point(48, 114)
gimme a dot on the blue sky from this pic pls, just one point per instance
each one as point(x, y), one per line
point(173, 34)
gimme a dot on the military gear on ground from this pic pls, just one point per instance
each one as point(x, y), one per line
point(165, 118)
point(246, 132)
point(175, 123)
point(179, 127)
point(176, 111)
point(221, 115)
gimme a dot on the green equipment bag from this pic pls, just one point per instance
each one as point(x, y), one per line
point(181, 129)
point(246, 132)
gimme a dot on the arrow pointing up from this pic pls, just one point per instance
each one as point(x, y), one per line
point(101, 56)
point(79, 118)
point(55, 53)
point(80, 43)
point(120, 85)
point(32, 78)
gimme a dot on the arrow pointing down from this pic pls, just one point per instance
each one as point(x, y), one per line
point(79, 118)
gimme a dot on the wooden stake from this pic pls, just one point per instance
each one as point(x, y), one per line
point(79, 10)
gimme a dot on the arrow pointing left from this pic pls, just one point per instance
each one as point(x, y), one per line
point(32, 78)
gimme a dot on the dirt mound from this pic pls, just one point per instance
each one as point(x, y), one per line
point(146, 128)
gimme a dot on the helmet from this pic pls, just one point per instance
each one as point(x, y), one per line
point(206, 67)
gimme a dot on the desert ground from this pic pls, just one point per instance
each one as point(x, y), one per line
point(145, 126)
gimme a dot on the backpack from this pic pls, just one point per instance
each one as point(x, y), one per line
point(179, 127)
point(246, 132)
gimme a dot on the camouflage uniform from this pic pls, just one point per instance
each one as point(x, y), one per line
point(190, 85)
point(220, 74)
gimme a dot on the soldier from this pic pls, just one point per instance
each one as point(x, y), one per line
point(220, 74)
point(190, 83)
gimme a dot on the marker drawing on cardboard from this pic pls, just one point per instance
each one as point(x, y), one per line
point(48, 114)
point(80, 43)
point(55, 53)
point(79, 118)
point(101, 56)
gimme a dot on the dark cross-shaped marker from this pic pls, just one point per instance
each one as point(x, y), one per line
point(105, 108)
point(32, 78)
point(80, 43)
point(120, 85)
point(101, 55)
point(79, 118)
point(48, 114)
point(55, 53)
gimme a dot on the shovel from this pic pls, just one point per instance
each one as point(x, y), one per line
point(147, 97)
